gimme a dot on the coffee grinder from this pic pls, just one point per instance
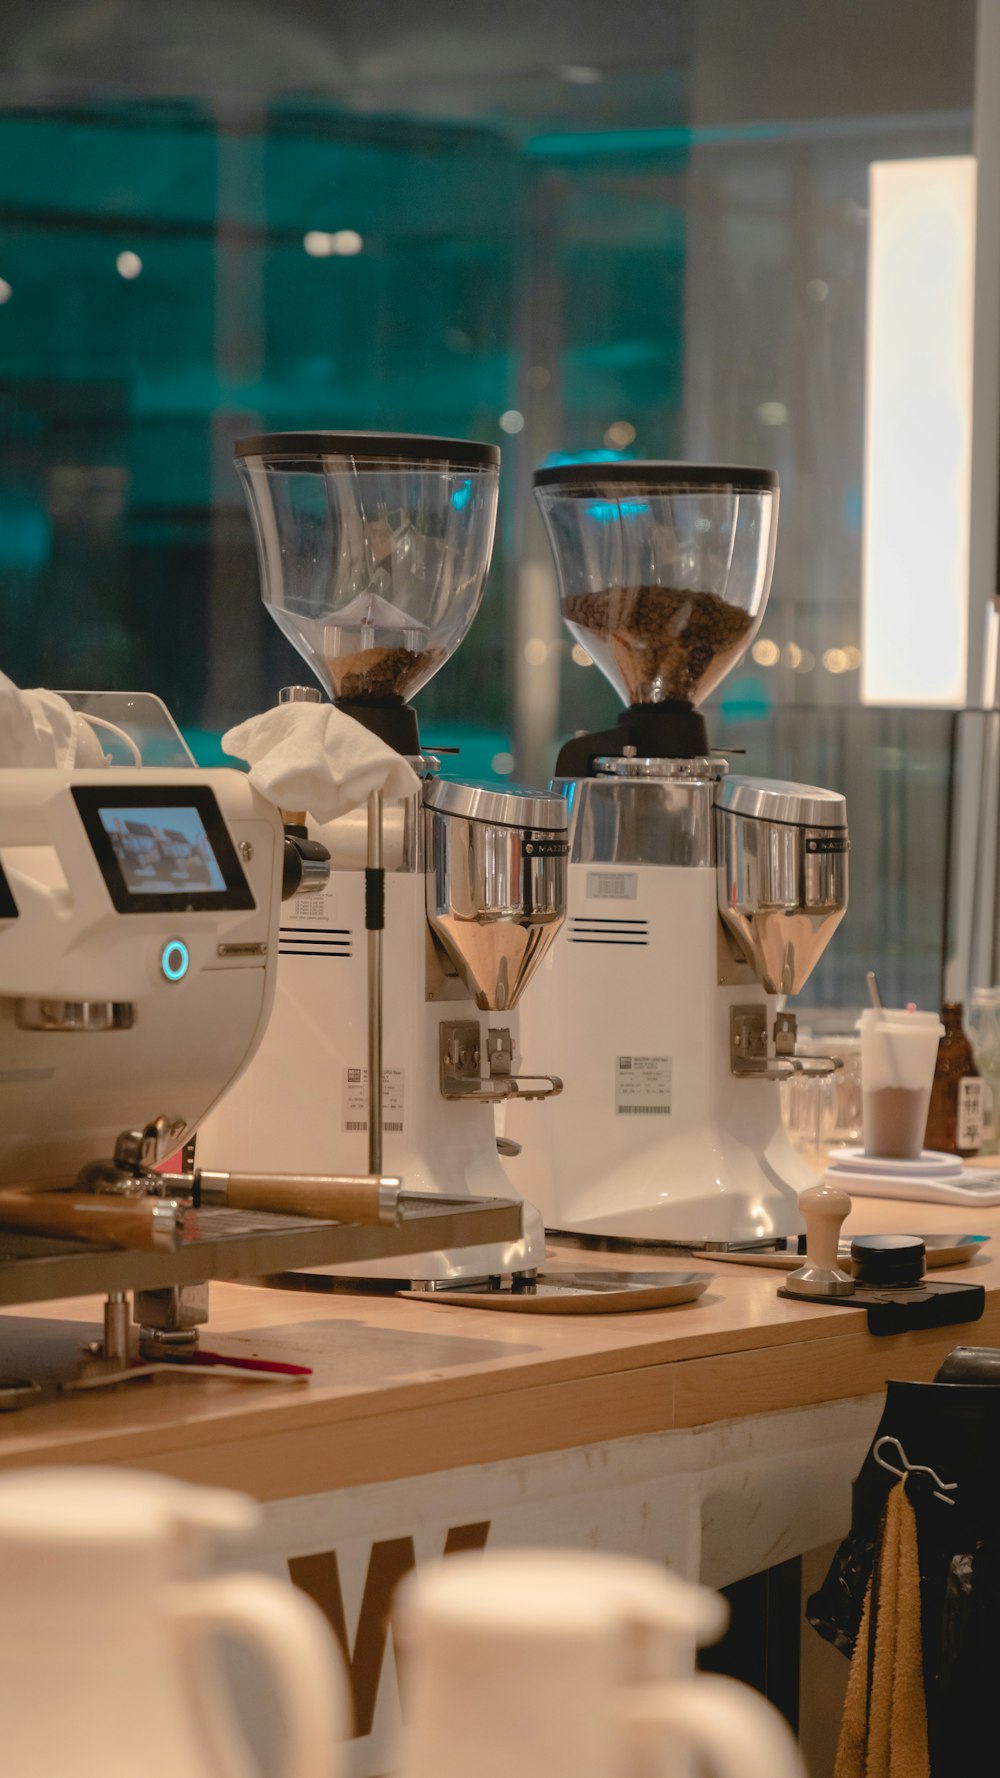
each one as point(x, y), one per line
point(698, 899)
point(373, 553)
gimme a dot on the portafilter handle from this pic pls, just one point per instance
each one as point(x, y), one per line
point(825, 1209)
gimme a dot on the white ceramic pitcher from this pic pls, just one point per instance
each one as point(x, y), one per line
point(107, 1663)
point(572, 1664)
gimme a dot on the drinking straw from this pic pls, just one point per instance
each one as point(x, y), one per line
point(878, 1006)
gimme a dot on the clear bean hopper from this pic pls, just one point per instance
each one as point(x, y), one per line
point(374, 549)
point(664, 571)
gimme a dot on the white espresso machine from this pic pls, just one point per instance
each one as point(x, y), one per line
point(373, 553)
point(139, 935)
point(138, 914)
point(699, 900)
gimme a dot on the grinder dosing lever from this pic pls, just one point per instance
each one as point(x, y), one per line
point(461, 1061)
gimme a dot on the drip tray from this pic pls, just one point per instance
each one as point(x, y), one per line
point(232, 1244)
point(580, 1293)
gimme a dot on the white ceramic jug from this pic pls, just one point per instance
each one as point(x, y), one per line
point(572, 1664)
point(107, 1664)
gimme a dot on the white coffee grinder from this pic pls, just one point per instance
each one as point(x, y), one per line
point(696, 897)
point(373, 553)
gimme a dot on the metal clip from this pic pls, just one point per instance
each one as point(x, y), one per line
point(750, 1057)
point(139, 1151)
point(912, 1469)
point(461, 1056)
point(499, 1052)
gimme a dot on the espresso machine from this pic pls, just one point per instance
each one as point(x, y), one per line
point(373, 554)
point(699, 899)
point(140, 910)
point(137, 915)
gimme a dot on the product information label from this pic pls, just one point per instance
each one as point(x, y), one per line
point(356, 1099)
point(990, 1109)
point(612, 885)
point(643, 1086)
point(312, 910)
point(969, 1133)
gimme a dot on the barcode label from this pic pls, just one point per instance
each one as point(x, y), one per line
point(644, 1110)
point(355, 1116)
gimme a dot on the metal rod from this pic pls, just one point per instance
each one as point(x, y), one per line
point(991, 653)
point(116, 1324)
point(374, 920)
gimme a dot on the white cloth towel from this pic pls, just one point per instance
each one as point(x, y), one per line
point(38, 728)
point(313, 757)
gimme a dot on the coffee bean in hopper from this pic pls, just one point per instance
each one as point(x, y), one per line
point(381, 672)
point(664, 642)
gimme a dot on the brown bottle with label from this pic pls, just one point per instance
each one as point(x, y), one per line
point(955, 1117)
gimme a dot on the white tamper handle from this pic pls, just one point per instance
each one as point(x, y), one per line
point(824, 1209)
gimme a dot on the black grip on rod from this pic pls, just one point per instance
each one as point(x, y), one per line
point(374, 899)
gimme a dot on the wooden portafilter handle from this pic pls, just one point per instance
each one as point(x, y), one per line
point(370, 1199)
point(151, 1225)
point(825, 1209)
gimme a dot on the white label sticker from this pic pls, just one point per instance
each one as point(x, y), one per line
point(990, 1109)
point(612, 885)
point(969, 1133)
point(311, 910)
point(356, 1099)
point(643, 1086)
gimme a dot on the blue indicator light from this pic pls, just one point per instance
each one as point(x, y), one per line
point(462, 495)
point(175, 960)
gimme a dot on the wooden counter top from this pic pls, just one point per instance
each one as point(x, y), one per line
point(405, 1387)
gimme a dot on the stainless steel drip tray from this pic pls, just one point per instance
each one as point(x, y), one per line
point(233, 1244)
point(580, 1293)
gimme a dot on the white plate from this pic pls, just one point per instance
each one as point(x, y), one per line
point(970, 1188)
point(929, 1165)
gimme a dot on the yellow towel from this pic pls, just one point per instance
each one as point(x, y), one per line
point(884, 1729)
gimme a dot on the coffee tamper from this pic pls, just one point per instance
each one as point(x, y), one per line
point(824, 1209)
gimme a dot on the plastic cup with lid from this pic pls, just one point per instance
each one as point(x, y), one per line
point(899, 1050)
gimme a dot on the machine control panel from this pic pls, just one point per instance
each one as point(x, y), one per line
point(163, 849)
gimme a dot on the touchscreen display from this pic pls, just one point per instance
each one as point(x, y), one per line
point(162, 851)
point(163, 848)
